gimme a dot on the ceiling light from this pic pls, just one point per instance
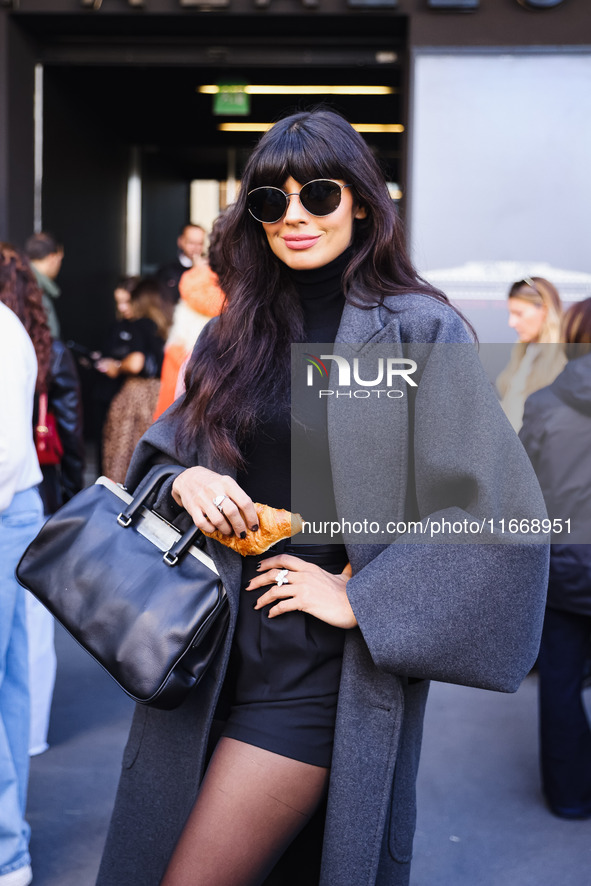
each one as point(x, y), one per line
point(244, 127)
point(259, 89)
point(378, 127)
point(263, 127)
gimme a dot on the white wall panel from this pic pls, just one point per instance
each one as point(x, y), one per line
point(501, 158)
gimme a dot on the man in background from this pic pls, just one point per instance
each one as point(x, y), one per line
point(190, 248)
point(46, 255)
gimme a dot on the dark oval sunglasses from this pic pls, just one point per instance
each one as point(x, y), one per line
point(318, 197)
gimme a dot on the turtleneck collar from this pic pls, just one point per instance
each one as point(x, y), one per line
point(319, 281)
point(321, 295)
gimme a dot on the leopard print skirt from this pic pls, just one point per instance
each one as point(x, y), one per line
point(129, 417)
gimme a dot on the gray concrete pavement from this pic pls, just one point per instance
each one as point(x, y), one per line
point(481, 819)
point(72, 785)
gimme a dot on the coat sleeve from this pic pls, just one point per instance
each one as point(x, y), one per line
point(532, 431)
point(65, 400)
point(459, 606)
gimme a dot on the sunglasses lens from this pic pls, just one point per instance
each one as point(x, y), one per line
point(267, 204)
point(320, 197)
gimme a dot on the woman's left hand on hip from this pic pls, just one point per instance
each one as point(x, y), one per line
point(305, 587)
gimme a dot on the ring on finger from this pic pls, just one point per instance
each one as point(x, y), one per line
point(217, 501)
point(282, 578)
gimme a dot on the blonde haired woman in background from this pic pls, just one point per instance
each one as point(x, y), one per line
point(535, 313)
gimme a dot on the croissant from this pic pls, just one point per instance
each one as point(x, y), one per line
point(274, 524)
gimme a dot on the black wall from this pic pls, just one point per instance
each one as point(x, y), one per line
point(165, 208)
point(17, 90)
point(84, 192)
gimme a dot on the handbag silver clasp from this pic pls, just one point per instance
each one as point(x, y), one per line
point(170, 559)
point(124, 520)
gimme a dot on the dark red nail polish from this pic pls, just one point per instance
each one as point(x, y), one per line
point(255, 527)
point(243, 535)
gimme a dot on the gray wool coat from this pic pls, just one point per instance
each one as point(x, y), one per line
point(458, 612)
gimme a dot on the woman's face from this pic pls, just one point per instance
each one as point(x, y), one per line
point(123, 302)
point(526, 318)
point(303, 241)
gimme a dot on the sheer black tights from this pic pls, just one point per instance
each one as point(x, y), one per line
point(251, 805)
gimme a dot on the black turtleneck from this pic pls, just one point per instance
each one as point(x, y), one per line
point(321, 296)
point(267, 476)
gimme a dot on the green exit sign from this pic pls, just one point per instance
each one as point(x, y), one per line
point(231, 99)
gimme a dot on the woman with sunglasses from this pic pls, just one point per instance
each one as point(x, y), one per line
point(535, 312)
point(314, 253)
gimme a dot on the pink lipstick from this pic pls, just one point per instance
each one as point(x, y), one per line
point(300, 242)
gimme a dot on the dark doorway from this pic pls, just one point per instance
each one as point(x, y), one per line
point(121, 93)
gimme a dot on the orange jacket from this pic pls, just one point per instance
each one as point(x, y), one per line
point(201, 299)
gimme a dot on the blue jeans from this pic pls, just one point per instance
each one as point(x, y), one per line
point(19, 524)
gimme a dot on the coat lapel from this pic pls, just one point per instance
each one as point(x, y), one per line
point(369, 459)
point(364, 758)
point(357, 327)
point(367, 435)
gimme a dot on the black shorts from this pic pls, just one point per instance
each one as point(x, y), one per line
point(285, 671)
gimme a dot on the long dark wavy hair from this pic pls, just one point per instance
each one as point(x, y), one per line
point(241, 362)
point(20, 292)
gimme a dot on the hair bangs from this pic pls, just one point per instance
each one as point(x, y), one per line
point(293, 151)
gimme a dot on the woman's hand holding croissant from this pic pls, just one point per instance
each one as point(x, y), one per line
point(222, 510)
point(195, 490)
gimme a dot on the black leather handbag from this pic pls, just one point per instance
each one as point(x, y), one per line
point(143, 599)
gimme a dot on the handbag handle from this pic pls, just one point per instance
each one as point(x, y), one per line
point(146, 488)
point(42, 417)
